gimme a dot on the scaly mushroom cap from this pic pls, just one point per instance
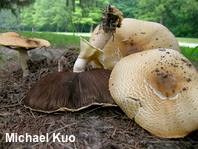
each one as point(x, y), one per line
point(15, 40)
point(159, 89)
point(135, 36)
point(68, 91)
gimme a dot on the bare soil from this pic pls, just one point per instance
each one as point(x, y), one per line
point(93, 128)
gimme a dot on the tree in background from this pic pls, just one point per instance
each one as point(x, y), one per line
point(179, 16)
point(9, 21)
point(27, 17)
point(44, 13)
point(156, 11)
point(187, 17)
point(88, 12)
point(128, 7)
point(61, 17)
point(10, 4)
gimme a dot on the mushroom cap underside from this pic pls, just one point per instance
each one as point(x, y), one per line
point(68, 91)
point(159, 89)
point(13, 39)
point(136, 36)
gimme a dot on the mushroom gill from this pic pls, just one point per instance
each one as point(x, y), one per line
point(69, 91)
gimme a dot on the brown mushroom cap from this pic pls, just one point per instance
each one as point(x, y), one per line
point(13, 39)
point(68, 91)
point(135, 36)
point(22, 45)
point(159, 89)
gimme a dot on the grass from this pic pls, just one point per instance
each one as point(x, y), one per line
point(3, 59)
point(190, 53)
point(187, 40)
point(56, 40)
point(64, 41)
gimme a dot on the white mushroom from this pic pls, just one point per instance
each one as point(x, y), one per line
point(159, 89)
point(111, 19)
point(88, 53)
point(22, 44)
point(135, 36)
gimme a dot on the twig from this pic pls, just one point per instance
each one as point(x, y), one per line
point(32, 113)
point(64, 127)
point(130, 126)
point(114, 132)
point(114, 129)
point(6, 114)
point(184, 143)
point(7, 106)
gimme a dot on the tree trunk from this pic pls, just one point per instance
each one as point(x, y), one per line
point(57, 28)
point(73, 3)
point(78, 27)
point(162, 19)
point(47, 28)
point(91, 28)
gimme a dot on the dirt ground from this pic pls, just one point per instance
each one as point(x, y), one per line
point(93, 128)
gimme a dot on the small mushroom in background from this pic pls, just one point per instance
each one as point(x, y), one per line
point(134, 36)
point(63, 65)
point(91, 51)
point(69, 91)
point(159, 89)
point(22, 44)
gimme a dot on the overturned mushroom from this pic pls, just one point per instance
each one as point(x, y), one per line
point(134, 36)
point(22, 44)
point(159, 89)
point(111, 20)
point(68, 91)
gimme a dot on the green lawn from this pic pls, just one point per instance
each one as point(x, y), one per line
point(187, 40)
point(60, 40)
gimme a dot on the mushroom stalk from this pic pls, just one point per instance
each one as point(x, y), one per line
point(24, 58)
point(110, 20)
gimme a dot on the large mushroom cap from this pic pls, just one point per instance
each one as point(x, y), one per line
point(15, 40)
point(68, 91)
point(159, 89)
point(135, 36)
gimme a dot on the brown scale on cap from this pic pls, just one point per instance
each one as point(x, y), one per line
point(160, 97)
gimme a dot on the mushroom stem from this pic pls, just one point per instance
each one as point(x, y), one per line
point(24, 58)
point(101, 39)
point(80, 65)
point(110, 20)
point(88, 53)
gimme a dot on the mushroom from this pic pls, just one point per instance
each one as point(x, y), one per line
point(159, 89)
point(69, 91)
point(91, 51)
point(22, 44)
point(134, 36)
point(63, 65)
point(88, 53)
